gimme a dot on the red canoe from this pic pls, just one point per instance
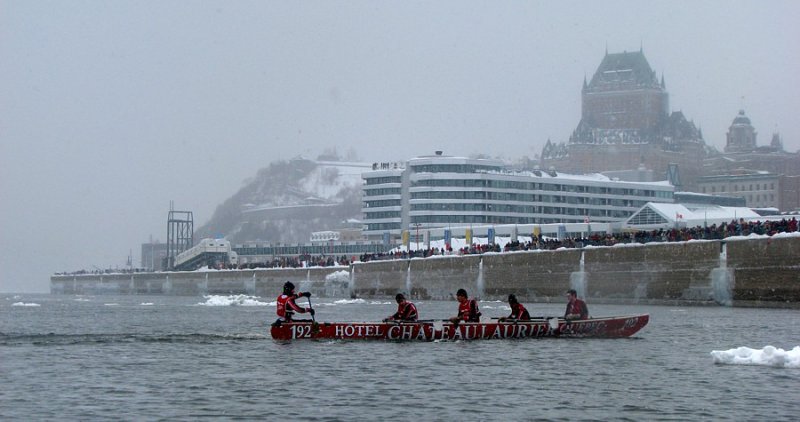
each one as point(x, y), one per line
point(608, 327)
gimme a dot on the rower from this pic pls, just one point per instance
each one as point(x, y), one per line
point(518, 312)
point(406, 311)
point(467, 309)
point(576, 308)
point(286, 306)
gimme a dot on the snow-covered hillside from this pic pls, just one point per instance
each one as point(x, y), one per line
point(288, 200)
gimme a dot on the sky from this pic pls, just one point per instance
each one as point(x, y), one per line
point(111, 111)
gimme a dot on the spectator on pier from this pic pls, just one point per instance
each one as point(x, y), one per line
point(406, 311)
point(286, 306)
point(576, 308)
point(518, 312)
point(467, 308)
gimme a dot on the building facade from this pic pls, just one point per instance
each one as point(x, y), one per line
point(766, 175)
point(759, 189)
point(444, 191)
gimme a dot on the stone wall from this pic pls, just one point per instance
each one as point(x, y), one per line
point(762, 272)
point(765, 271)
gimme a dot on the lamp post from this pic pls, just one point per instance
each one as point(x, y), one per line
point(416, 226)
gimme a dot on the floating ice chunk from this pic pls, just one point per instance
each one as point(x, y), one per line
point(349, 301)
point(768, 356)
point(234, 300)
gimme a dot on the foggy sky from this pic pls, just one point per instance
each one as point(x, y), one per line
point(110, 110)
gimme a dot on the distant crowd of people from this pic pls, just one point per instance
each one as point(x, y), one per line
point(300, 261)
point(106, 271)
point(712, 232)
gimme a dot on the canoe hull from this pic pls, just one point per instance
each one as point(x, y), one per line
point(609, 327)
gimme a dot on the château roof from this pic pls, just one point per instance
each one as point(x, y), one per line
point(741, 119)
point(618, 70)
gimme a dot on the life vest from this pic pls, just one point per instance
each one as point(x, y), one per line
point(408, 312)
point(286, 307)
point(468, 311)
point(519, 312)
point(577, 306)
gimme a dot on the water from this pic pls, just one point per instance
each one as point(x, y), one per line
point(158, 357)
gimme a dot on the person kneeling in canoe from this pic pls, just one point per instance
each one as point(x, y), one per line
point(406, 311)
point(286, 306)
point(467, 309)
point(576, 308)
point(518, 312)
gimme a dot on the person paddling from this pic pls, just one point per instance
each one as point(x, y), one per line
point(287, 307)
point(576, 308)
point(518, 312)
point(406, 311)
point(467, 309)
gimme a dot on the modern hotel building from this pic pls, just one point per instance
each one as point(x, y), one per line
point(444, 191)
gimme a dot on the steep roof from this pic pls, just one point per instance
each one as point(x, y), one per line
point(624, 69)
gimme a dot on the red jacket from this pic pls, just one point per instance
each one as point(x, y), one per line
point(287, 307)
point(406, 311)
point(577, 306)
point(468, 311)
point(519, 312)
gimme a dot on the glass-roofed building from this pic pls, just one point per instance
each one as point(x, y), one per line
point(659, 215)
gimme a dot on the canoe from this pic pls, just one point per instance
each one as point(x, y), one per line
point(607, 327)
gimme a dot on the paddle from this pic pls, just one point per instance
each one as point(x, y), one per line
point(314, 321)
point(419, 321)
point(536, 318)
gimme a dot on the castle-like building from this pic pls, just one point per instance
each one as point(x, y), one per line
point(626, 124)
point(626, 127)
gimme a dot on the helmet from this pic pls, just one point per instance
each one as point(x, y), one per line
point(288, 287)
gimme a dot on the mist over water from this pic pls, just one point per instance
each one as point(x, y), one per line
point(134, 357)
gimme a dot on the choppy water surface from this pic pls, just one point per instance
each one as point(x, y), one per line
point(134, 357)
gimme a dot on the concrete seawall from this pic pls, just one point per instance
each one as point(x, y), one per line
point(761, 272)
